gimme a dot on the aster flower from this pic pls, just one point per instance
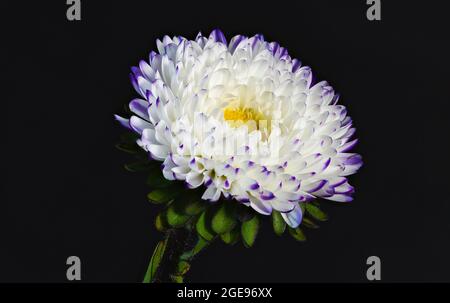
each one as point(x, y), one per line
point(242, 120)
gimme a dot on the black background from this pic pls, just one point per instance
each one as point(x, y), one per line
point(67, 193)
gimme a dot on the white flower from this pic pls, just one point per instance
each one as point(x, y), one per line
point(244, 120)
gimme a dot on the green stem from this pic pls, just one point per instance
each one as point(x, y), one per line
point(170, 260)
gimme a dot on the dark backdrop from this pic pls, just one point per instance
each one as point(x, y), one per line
point(67, 193)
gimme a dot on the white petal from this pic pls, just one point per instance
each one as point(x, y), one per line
point(194, 179)
point(159, 152)
point(211, 194)
point(262, 207)
point(139, 124)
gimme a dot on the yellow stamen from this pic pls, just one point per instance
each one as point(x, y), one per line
point(237, 116)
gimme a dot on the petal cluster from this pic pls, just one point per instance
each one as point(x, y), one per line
point(190, 92)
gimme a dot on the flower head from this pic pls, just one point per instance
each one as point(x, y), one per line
point(245, 120)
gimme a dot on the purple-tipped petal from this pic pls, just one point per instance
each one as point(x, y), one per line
point(134, 82)
point(226, 184)
point(151, 56)
point(347, 146)
point(340, 198)
point(353, 160)
point(146, 69)
point(138, 124)
point(140, 108)
point(259, 37)
point(260, 206)
point(296, 65)
point(317, 186)
point(243, 200)
point(218, 36)
point(234, 43)
point(267, 195)
point(124, 122)
point(136, 72)
point(199, 36)
point(294, 217)
point(283, 53)
point(208, 181)
point(326, 164)
point(339, 181)
point(254, 186)
point(274, 47)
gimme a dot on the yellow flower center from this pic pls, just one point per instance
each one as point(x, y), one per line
point(237, 116)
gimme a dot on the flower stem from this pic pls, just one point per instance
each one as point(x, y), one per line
point(170, 260)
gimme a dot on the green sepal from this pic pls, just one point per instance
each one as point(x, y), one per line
point(161, 222)
point(249, 231)
point(175, 218)
point(194, 206)
point(231, 237)
point(278, 223)
point(316, 212)
point(297, 234)
point(223, 219)
point(306, 222)
point(161, 196)
point(203, 226)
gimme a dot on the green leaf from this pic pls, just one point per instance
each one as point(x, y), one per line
point(297, 234)
point(316, 212)
point(176, 218)
point(278, 223)
point(194, 207)
point(161, 196)
point(155, 261)
point(183, 267)
point(249, 230)
point(161, 222)
point(223, 220)
point(203, 226)
point(231, 237)
point(309, 223)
